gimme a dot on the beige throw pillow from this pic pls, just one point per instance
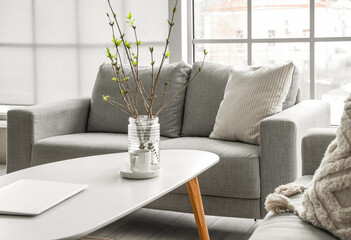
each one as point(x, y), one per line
point(251, 94)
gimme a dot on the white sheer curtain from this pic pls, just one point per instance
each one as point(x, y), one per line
point(52, 49)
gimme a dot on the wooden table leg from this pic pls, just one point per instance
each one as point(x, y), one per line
point(198, 209)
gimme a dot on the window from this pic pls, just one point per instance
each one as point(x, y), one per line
point(52, 49)
point(314, 34)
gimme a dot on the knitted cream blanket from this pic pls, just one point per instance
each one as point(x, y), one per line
point(327, 200)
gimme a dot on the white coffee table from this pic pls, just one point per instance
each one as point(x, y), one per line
point(109, 197)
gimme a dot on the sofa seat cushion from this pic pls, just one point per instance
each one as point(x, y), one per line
point(78, 145)
point(289, 226)
point(237, 173)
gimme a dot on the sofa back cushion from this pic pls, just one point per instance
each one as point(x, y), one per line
point(103, 117)
point(203, 97)
point(205, 94)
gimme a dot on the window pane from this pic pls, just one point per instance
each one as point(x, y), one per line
point(229, 53)
point(89, 61)
point(333, 18)
point(93, 22)
point(55, 21)
point(16, 75)
point(275, 53)
point(150, 19)
point(57, 74)
point(16, 21)
point(333, 71)
point(220, 19)
point(280, 18)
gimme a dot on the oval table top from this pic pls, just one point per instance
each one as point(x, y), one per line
point(108, 198)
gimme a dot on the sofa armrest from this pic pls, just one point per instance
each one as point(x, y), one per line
point(281, 136)
point(29, 124)
point(314, 145)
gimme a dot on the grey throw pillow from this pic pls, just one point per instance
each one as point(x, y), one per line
point(105, 118)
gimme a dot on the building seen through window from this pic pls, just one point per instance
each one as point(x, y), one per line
point(288, 22)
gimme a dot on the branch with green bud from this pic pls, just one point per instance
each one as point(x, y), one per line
point(128, 101)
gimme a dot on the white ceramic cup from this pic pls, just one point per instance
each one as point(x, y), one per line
point(140, 160)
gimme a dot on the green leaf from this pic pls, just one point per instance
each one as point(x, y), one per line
point(170, 23)
point(115, 79)
point(108, 53)
point(114, 40)
point(205, 52)
point(105, 98)
point(167, 54)
point(129, 15)
point(128, 44)
point(151, 49)
point(122, 91)
point(135, 63)
point(126, 78)
point(138, 43)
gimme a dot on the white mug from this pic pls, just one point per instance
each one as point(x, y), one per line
point(140, 160)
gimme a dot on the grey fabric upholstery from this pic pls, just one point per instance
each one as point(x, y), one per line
point(281, 137)
point(28, 125)
point(314, 145)
point(236, 175)
point(291, 98)
point(63, 147)
point(289, 226)
point(203, 97)
point(218, 206)
point(104, 117)
point(205, 94)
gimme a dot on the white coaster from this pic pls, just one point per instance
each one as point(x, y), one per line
point(127, 173)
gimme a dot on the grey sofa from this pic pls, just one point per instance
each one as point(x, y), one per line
point(288, 225)
point(236, 186)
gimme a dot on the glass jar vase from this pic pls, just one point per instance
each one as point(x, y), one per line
point(144, 133)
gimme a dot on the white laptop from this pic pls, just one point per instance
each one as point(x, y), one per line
point(32, 197)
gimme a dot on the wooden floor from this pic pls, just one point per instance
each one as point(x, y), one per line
point(149, 224)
